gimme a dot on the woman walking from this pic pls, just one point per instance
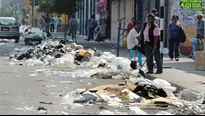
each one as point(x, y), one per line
point(150, 39)
point(174, 40)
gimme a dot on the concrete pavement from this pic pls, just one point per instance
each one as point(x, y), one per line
point(183, 74)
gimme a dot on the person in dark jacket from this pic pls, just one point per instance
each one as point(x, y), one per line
point(47, 22)
point(174, 40)
point(73, 28)
point(92, 24)
point(150, 39)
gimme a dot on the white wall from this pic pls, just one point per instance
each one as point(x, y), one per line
point(126, 9)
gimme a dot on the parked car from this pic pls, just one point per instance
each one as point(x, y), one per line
point(9, 28)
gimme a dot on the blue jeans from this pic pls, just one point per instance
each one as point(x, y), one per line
point(196, 47)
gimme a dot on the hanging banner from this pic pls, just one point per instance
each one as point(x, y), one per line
point(186, 10)
point(101, 7)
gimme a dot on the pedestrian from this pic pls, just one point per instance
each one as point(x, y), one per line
point(42, 23)
point(52, 23)
point(133, 37)
point(199, 38)
point(92, 25)
point(47, 22)
point(174, 40)
point(131, 25)
point(150, 39)
point(157, 19)
point(59, 23)
point(73, 28)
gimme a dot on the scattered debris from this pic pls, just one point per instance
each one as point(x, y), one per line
point(67, 82)
point(50, 86)
point(41, 108)
point(63, 113)
point(49, 103)
point(26, 109)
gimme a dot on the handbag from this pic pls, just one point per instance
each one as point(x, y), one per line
point(182, 35)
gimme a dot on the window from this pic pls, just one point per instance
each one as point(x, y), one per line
point(7, 22)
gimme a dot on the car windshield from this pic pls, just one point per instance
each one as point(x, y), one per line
point(7, 22)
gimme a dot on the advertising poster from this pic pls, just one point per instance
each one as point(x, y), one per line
point(186, 10)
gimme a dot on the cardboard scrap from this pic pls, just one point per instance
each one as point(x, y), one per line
point(112, 89)
point(157, 101)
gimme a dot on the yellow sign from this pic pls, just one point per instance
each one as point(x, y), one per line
point(27, 3)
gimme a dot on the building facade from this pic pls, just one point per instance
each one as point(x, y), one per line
point(117, 9)
point(87, 8)
point(135, 8)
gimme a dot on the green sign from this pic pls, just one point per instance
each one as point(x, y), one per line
point(192, 4)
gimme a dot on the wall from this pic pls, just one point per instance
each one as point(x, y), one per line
point(120, 9)
point(87, 8)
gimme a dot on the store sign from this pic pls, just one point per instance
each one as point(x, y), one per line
point(192, 4)
point(186, 10)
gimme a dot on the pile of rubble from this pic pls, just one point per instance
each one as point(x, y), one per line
point(141, 95)
point(33, 36)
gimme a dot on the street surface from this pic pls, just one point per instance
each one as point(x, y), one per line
point(22, 91)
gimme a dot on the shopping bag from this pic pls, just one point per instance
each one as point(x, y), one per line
point(124, 40)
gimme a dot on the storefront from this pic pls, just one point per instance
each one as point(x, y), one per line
point(186, 11)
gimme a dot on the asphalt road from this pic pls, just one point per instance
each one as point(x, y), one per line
point(22, 91)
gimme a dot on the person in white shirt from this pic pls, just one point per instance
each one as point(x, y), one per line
point(133, 37)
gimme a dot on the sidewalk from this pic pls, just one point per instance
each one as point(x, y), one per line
point(183, 75)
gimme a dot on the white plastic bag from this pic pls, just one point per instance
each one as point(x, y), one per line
point(123, 63)
point(189, 95)
point(165, 85)
point(163, 113)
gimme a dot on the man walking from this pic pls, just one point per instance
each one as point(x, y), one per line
point(92, 24)
point(42, 23)
point(47, 21)
point(52, 24)
point(59, 23)
point(73, 28)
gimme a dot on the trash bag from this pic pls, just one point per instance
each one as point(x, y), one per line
point(189, 95)
point(149, 91)
point(165, 85)
point(123, 63)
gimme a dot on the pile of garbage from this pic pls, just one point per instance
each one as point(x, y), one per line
point(97, 64)
point(136, 96)
point(33, 36)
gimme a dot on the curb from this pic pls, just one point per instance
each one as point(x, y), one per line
point(179, 87)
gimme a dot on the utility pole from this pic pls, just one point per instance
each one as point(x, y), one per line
point(162, 26)
point(203, 11)
point(32, 20)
